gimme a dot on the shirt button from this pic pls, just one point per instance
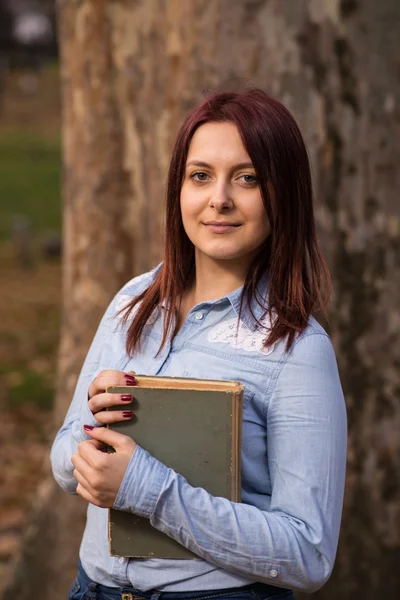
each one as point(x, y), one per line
point(199, 316)
point(273, 573)
point(122, 560)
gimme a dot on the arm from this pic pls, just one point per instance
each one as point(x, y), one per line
point(293, 544)
point(71, 432)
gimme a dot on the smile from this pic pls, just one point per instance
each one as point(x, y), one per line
point(221, 227)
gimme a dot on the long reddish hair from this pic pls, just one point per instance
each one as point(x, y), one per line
point(298, 278)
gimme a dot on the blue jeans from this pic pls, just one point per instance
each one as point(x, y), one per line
point(86, 589)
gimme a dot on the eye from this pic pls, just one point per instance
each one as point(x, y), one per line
point(249, 179)
point(199, 176)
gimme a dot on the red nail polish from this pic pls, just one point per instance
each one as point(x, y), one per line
point(127, 414)
point(88, 427)
point(130, 380)
point(126, 398)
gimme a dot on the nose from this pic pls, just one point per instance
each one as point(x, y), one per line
point(221, 198)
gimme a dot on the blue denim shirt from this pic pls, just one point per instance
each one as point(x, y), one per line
point(286, 529)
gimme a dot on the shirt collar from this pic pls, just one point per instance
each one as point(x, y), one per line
point(258, 305)
point(250, 315)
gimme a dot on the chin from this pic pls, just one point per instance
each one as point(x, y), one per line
point(222, 249)
point(225, 254)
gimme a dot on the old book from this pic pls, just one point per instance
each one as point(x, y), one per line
point(192, 426)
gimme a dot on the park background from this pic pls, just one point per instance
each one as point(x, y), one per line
point(86, 130)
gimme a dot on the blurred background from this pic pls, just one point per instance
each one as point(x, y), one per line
point(125, 73)
point(30, 250)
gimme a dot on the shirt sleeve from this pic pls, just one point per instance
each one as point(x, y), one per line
point(79, 414)
point(293, 544)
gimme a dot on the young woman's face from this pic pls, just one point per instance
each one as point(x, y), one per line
point(222, 209)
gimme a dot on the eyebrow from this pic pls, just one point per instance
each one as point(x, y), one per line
point(199, 163)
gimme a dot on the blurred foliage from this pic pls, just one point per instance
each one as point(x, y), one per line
point(30, 299)
point(29, 387)
point(30, 175)
point(29, 331)
point(30, 188)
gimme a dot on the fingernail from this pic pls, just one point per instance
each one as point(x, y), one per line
point(88, 427)
point(130, 380)
point(126, 397)
point(127, 414)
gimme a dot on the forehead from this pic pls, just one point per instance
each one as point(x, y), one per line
point(213, 142)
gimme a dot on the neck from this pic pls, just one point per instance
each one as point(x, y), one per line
point(215, 279)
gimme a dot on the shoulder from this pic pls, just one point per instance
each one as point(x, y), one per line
point(134, 287)
point(138, 284)
point(313, 347)
point(314, 336)
point(308, 373)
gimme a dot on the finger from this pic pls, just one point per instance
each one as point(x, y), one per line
point(110, 377)
point(80, 463)
point(96, 444)
point(99, 402)
point(103, 379)
point(113, 416)
point(100, 446)
point(81, 479)
point(82, 491)
point(92, 452)
point(118, 441)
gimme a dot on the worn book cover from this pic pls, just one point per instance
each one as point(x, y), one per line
point(192, 426)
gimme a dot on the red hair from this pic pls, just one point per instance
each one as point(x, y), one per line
point(298, 281)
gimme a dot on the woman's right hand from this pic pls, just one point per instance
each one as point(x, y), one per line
point(99, 400)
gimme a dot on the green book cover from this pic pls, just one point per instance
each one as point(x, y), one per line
point(192, 426)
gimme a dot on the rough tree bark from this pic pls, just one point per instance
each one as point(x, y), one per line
point(131, 70)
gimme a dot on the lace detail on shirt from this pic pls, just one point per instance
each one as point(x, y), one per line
point(242, 337)
point(123, 302)
point(124, 299)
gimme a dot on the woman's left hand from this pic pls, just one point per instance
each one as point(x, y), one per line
point(99, 473)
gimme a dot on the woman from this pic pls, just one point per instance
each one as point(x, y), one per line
point(242, 272)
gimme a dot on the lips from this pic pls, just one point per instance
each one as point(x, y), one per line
point(222, 227)
point(222, 223)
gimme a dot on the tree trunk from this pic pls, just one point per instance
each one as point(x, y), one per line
point(131, 70)
point(98, 259)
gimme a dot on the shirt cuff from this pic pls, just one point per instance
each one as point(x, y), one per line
point(88, 418)
point(142, 484)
